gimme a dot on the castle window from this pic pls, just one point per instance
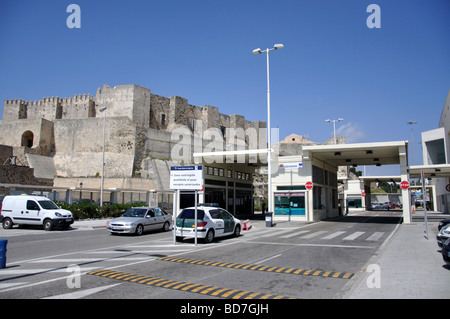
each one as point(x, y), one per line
point(27, 139)
point(163, 119)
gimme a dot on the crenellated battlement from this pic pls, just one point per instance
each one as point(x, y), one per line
point(133, 101)
point(50, 108)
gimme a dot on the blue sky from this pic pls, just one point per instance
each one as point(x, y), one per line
point(332, 65)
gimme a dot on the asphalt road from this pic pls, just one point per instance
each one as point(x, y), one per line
point(290, 260)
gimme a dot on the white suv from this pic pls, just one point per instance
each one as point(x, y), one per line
point(211, 222)
point(33, 210)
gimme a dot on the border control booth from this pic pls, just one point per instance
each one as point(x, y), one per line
point(309, 191)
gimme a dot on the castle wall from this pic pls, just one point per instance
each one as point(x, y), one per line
point(139, 126)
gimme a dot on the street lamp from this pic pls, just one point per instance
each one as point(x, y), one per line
point(103, 109)
point(269, 142)
point(334, 127)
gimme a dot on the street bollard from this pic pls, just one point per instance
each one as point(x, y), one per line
point(3, 243)
point(269, 222)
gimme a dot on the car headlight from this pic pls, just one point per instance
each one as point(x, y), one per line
point(58, 215)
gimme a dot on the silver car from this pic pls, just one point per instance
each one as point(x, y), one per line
point(137, 220)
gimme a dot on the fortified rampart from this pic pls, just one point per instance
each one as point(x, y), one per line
point(137, 131)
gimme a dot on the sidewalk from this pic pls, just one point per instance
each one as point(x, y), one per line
point(410, 267)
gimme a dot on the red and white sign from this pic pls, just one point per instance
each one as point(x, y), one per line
point(404, 185)
point(363, 192)
point(309, 185)
point(447, 188)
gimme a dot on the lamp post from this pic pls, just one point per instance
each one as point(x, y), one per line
point(411, 123)
point(269, 137)
point(334, 126)
point(103, 109)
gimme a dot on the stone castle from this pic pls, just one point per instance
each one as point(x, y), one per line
point(62, 138)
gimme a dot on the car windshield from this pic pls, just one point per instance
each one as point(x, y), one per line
point(135, 212)
point(190, 213)
point(48, 204)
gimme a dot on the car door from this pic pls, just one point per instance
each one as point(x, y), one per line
point(228, 222)
point(160, 218)
point(150, 219)
point(217, 220)
point(31, 214)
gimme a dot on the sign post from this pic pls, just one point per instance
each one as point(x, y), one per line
point(424, 196)
point(186, 178)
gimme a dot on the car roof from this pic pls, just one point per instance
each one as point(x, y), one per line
point(35, 197)
point(203, 207)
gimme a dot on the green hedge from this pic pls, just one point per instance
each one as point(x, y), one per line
point(87, 210)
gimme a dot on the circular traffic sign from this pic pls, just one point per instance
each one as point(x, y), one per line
point(404, 184)
point(309, 185)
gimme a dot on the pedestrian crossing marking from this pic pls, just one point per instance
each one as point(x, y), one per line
point(354, 235)
point(274, 269)
point(314, 234)
point(375, 236)
point(333, 235)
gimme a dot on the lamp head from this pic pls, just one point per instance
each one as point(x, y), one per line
point(257, 51)
point(278, 46)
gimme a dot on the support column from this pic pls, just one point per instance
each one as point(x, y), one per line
point(404, 173)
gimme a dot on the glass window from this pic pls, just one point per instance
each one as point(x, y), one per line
point(32, 205)
point(135, 212)
point(190, 213)
point(48, 204)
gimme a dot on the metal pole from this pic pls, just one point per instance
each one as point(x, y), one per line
point(424, 189)
point(196, 192)
point(269, 143)
point(334, 131)
point(174, 215)
point(103, 160)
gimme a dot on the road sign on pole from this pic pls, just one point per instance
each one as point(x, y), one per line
point(187, 178)
point(404, 185)
point(309, 185)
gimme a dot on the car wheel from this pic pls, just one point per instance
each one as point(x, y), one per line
point(48, 224)
point(209, 236)
point(237, 231)
point(166, 226)
point(139, 230)
point(7, 223)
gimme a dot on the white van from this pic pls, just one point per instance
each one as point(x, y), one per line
point(33, 210)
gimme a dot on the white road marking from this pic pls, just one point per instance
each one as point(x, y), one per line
point(261, 261)
point(354, 235)
point(295, 234)
point(82, 293)
point(375, 236)
point(321, 232)
point(333, 235)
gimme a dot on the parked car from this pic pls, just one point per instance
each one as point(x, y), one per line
point(211, 222)
point(442, 223)
point(377, 206)
point(137, 220)
point(443, 235)
point(33, 210)
point(446, 251)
